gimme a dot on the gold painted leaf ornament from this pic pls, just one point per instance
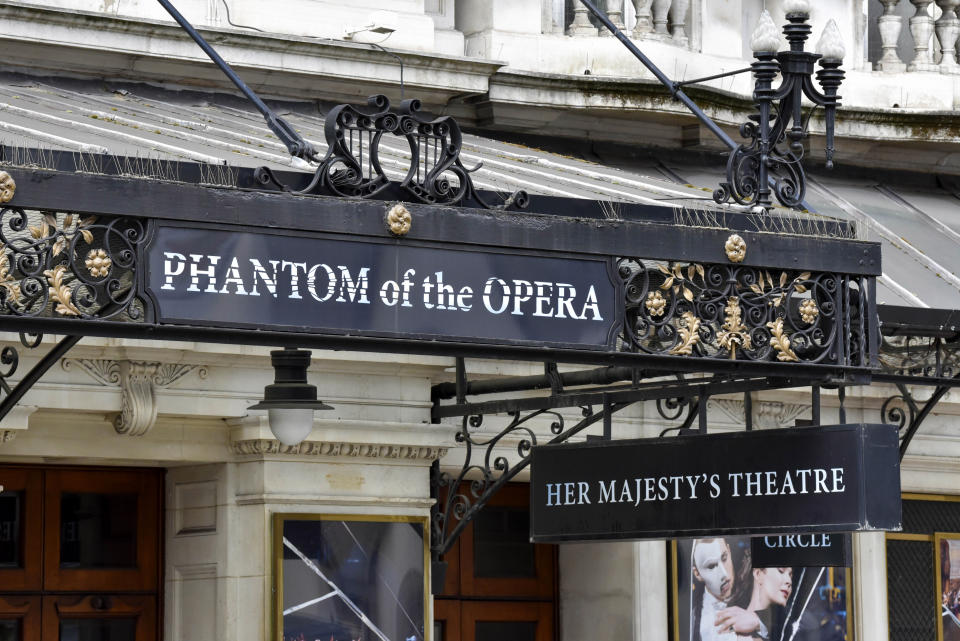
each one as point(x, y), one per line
point(689, 335)
point(781, 342)
point(60, 292)
point(735, 334)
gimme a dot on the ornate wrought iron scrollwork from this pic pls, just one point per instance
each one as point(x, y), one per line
point(66, 265)
point(744, 313)
point(743, 180)
point(454, 508)
point(352, 166)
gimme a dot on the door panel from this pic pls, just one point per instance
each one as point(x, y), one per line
point(21, 523)
point(518, 621)
point(496, 557)
point(20, 618)
point(101, 530)
point(446, 620)
point(98, 618)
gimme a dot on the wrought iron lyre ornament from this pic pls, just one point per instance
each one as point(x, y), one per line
point(774, 147)
point(352, 167)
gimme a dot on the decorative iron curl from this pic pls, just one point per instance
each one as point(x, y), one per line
point(897, 410)
point(671, 409)
point(351, 167)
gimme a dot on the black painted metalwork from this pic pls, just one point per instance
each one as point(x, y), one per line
point(69, 265)
point(919, 348)
point(907, 414)
point(649, 391)
point(738, 312)
point(752, 164)
point(488, 468)
point(10, 358)
point(351, 166)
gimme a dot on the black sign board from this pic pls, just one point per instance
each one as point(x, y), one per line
point(813, 550)
point(382, 288)
point(824, 479)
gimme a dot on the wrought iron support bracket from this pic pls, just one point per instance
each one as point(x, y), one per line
point(10, 358)
point(911, 416)
point(454, 509)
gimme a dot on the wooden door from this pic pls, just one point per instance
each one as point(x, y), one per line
point(498, 585)
point(79, 553)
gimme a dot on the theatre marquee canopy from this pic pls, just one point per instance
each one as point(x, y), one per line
point(116, 256)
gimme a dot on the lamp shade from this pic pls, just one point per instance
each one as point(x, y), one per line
point(291, 424)
point(766, 37)
point(290, 401)
point(830, 45)
point(800, 7)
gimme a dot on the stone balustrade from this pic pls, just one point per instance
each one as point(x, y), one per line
point(662, 20)
point(934, 28)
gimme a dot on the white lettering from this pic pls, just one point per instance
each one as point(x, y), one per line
point(553, 489)
point(519, 298)
point(504, 293)
point(838, 485)
point(544, 294)
point(350, 288)
point(233, 278)
point(390, 293)
point(565, 301)
point(196, 273)
point(606, 492)
point(312, 283)
point(168, 268)
point(591, 303)
point(259, 273)
point(294, 277)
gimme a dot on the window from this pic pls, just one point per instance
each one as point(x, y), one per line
point(913, 604)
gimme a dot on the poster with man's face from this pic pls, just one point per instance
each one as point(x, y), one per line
point(722, 597)
point(948, 582)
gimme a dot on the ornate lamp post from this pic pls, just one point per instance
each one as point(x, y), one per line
point(763, 165)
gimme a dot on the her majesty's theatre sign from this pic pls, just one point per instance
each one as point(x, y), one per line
point(361, 287)
point(840, 478)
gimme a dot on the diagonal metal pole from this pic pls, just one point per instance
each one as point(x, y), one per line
point(662, 77)
point(295, 143)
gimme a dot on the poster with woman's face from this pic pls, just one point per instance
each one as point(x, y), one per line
point(722, 597)
point(948, 583)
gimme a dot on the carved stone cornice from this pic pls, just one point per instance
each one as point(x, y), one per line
point(262, 446)
point(138, 381)
point(766, 414)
